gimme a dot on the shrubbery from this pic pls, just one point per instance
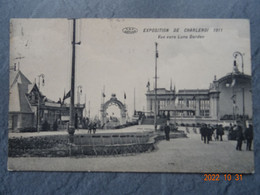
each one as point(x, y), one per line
point(46, 126)
point(28, 129)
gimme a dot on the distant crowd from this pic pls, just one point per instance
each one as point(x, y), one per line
point(208, 132)
point(90, 125)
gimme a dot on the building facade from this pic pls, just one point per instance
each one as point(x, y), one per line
point(227, 98)
point(28, 107)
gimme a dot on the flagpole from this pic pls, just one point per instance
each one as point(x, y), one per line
point(124, 97)
point(85, 113)
point(134, 101)
point(103, 114)
point(103, 95)
point(155, 88)
point(89, 110)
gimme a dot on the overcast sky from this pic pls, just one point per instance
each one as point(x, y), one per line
point(119, 62)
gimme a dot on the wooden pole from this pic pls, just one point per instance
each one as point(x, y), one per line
point(71, 129)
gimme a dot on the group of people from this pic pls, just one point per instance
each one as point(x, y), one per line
point(241, 135)
point(208, 131)
point(92, 126)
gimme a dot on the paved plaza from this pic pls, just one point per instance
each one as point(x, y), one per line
point(132, 129)
point(177, 155)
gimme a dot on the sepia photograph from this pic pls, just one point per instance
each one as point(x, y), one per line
point(130, 95)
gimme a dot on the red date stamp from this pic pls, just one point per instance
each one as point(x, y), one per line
point(226, 177)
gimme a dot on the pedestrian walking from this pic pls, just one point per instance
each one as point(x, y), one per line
point(209, 133)
point(94, 127)
point(201, 136)
point(215, 132)
point(249, 137)
point(167, 131)
point(204, 133)
point(230, 131)
point(221, 132)
point(218, 132)
point(239, 138)
point(90, 127)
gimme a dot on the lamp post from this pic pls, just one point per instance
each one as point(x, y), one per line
point(237, 53)
point(40, 80)
point(155, 88)
point(79, 90)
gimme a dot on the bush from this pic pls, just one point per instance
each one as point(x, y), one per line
point(198, 124)
point(28, 129)
point(46, 126)
point(55, 126)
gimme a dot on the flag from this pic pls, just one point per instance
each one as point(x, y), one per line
point(124, 95)
point(66, 96)
point(103, 94)
point(148, 84)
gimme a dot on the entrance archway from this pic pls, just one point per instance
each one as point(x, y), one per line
point(113, 101)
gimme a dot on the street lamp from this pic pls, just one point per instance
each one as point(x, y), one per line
point(237, 53)
point(155, 88)
point(40, 80)
point(79, 93)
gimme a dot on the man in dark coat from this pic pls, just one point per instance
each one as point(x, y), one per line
point(249, 137)
point(167, 131)
point(204, 133)
point(90, 127)
point(220, 132)
point(217, 132)
point(201, 136)
point(94, 127)
point(240, 137)
point(209, 133)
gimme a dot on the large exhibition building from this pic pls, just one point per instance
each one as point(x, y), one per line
point(227, 98)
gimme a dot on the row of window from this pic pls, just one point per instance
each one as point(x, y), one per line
point(203, 104)
point(204, 107)
point(185, 113)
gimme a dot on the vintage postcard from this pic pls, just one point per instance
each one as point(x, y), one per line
point(130, 95)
